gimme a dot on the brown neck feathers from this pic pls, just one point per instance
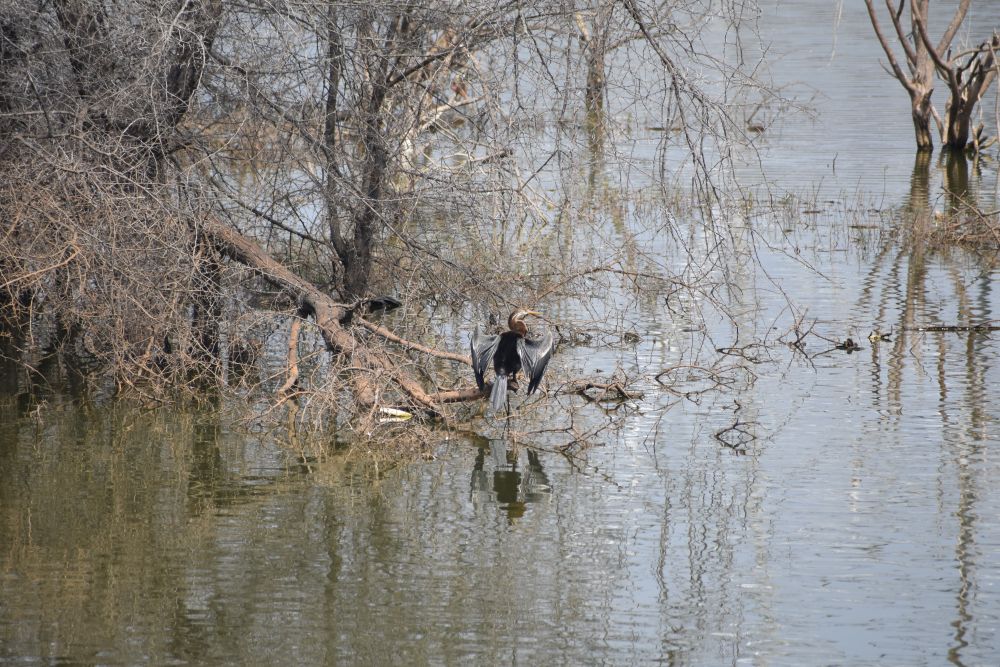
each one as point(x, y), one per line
point(517, 325)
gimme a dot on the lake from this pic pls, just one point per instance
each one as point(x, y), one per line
point(802, 506)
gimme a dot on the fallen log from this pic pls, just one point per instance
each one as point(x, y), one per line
point(329, 316)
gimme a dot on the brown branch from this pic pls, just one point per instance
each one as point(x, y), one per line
point(53, 267)
point(956, 22)
point(983, 69)
point(388, 335)
point(944, 68)
point(911, 55)
point(896, 69)
point(938, 121)
point(460, 395)
point(327, 313)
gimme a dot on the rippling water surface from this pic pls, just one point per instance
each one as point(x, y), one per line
point(847, 513)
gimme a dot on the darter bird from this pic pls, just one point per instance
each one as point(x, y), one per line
point(510, 352)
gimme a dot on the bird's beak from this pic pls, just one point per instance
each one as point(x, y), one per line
point(532, 312)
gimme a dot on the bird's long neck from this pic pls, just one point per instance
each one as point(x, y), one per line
point(517, 326)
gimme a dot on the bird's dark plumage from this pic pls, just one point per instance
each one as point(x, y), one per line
point(510, 352)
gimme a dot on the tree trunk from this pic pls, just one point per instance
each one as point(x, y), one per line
point(957, 125)
point(968, 83)
point(355, 252)
point(358, 259)
point(922, 119)
point(335, 64)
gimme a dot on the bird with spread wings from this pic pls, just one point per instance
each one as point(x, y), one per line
point(510, 352)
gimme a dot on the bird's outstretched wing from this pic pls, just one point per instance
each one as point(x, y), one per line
point(483, 347)
point(535, 355)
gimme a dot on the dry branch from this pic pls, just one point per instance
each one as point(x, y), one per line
point(329, 315)
point(430, 351)
point(609, 391)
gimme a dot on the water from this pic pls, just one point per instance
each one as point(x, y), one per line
point(853, 517)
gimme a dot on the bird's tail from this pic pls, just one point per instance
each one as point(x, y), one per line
point(499, 392)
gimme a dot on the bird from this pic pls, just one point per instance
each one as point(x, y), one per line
point(510, 352)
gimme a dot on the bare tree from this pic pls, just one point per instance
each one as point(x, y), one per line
point(968, 74)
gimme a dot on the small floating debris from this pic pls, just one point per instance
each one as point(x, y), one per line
point(630, 337)
point(395, 416)
point(848, 346)
point(877, 336)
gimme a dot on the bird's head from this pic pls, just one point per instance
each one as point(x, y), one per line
point(516, 320)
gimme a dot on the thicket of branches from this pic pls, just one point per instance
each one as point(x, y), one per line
point(181, 179)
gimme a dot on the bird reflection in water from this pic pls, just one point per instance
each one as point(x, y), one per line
point(513, 486)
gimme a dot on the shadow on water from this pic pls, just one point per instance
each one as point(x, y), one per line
point(147, 524)
point(211, 485)
point(32, 375)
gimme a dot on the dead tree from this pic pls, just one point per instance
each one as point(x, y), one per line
point(968, 74)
